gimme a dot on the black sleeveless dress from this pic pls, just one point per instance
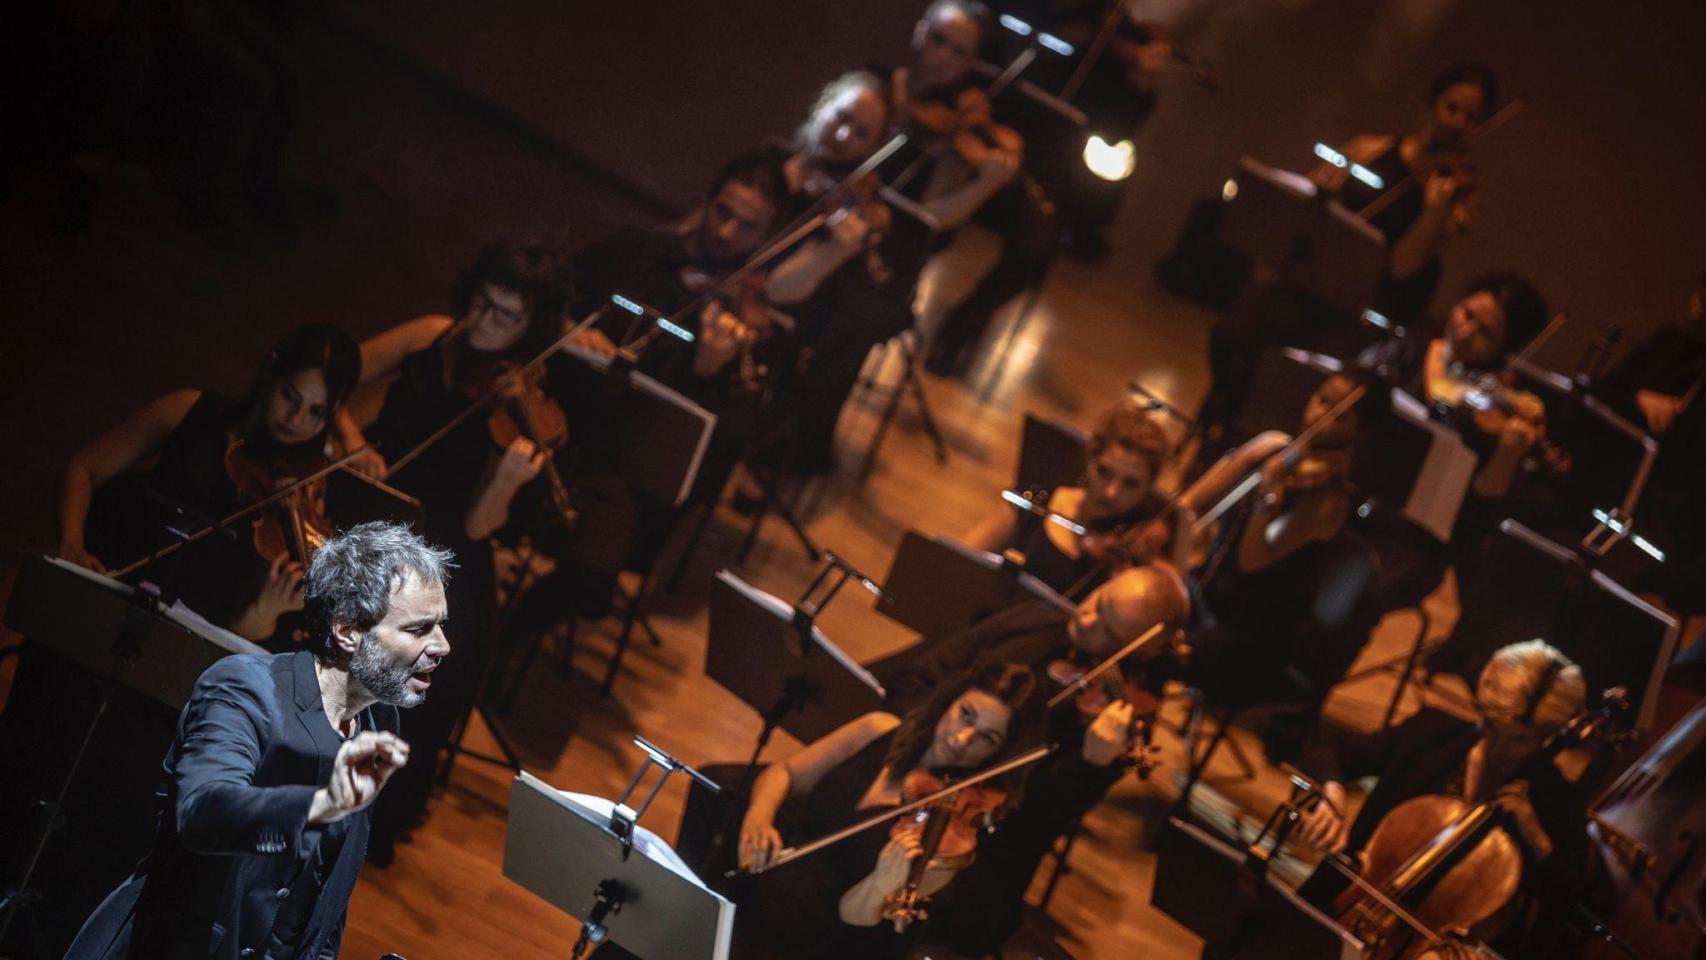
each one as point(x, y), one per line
point(793, 911)
point(1405, 300)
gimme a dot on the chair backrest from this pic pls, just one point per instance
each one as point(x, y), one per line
point(1051, 454)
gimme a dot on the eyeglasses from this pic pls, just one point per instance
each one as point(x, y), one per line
point(506, 318)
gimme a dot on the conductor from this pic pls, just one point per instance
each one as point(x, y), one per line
point(264, 793)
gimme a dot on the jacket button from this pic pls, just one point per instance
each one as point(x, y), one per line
point(284, 893)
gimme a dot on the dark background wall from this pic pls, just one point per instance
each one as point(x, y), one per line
point(1595, 189)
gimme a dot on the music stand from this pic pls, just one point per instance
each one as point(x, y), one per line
point(1051, 454)
point(1617, 638)
point(652, 436)
point(1284, 220)
point(122, 634)
point(938, 586)
point(773, 657)
point(576, 852)
point(1195, 871)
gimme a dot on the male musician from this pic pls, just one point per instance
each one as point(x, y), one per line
point(945, 44)
point(1528, 692)
point(988, 897)
point(263, 801)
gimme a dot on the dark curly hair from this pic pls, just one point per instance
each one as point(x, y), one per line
point(1012, 684)
point(1471, 72)
point(540, 274)
point(1525, 309)
point(325, 347)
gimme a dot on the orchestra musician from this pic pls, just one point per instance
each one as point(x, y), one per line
point(959, 186)
point(1427, 197)
point(830, 903)
point(264, 793)
point(1094, 735)
point(848, 285)
point(1285, 588)
point(742, 350)
point(508, 307)
point(1527, 692)
point(1124, 456)
point(109, 512)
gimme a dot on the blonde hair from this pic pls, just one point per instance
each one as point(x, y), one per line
point(1533, 684)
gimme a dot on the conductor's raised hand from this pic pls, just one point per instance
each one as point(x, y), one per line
point(363, 765)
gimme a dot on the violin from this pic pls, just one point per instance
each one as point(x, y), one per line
point(948, 829)
point(1487, 399)
point(741, 305)
point(524, 410)
point(296, 525)
point(968, 126)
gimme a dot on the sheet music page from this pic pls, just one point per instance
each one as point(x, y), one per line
point(1447, 471)
point(199, 625)
point(645, 841)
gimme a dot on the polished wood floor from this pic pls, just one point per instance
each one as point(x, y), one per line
point(1094, 329)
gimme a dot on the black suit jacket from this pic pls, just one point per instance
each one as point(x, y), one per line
point(232, 858)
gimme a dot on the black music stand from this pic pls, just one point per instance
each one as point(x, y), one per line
point(1051, 454)
point(938, 586)
point(124, 635)
point(577, 852)
point(1284, 220)
point(1197, 872)
point(774, 657)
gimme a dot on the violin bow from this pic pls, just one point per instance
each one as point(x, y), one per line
point(1253, 479)
point(790, 854)
point(1499, 118)
point(496, 391)
point(242, 514)
point(1108, 663)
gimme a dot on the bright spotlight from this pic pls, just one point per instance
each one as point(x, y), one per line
point(1110, 161)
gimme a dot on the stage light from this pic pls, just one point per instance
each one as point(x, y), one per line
point(1056, 44)
point(1110, 161)
point(1343, 162)
point(1016, 25)
point(1229, 190)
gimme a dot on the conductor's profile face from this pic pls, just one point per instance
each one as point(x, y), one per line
point(395, 660)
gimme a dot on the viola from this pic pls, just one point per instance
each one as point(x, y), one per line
point(297, 524)
point(967, 124)
point(525, 410)
point(948, 829)
point(740, 302)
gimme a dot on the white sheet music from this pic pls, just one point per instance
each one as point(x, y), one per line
point(1447, 471)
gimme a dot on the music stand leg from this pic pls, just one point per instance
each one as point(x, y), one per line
point(909, 383)
point(772, 503)
point(691, 548)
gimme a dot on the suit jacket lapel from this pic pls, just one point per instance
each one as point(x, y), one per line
point(311, 713)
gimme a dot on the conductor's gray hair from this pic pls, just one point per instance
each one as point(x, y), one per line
point(351, 577)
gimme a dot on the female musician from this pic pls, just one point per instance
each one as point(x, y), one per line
point(1121, 462)
point(1431, 168)
point(186, 441)
point(116, 494)
point(830, 903)
point(1526, 693)
point(508, 307)
point(1418, 224)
